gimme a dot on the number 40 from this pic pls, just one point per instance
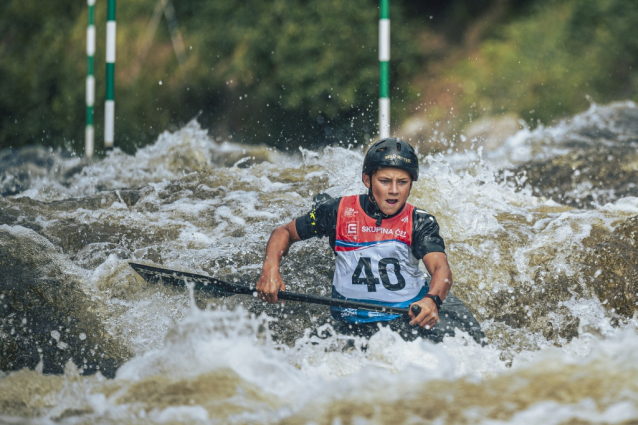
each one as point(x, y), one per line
point(371, 280)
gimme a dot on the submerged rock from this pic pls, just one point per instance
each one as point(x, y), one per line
point(584, 178)
point(46, 317)
point(492, 131)
point(612, 268)
point(20, 168)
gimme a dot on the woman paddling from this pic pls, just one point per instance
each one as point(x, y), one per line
point(378, 240)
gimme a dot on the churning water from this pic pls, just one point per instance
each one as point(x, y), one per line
point(541, 235)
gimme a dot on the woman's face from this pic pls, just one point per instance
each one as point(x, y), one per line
point(390, 188)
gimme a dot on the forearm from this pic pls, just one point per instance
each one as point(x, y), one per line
point(270, 282)
point(441, 282)
point(440, 285)
point(439, 269)
point(278, 246)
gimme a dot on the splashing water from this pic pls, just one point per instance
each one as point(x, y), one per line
point(554, 287)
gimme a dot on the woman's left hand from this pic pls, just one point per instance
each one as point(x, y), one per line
point(429, 315)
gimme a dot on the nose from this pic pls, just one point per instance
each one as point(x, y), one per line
point(394, 187)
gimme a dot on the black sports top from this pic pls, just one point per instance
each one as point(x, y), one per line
point(321, 221)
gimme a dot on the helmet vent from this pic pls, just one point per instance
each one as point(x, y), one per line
point(399, 147)
point(382, 149)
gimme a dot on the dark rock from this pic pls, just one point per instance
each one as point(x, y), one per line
point(45, 315)
point(612, 268)
point(585, 176)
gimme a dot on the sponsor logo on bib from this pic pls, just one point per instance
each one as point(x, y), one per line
point(350, 212)
point(370, 229)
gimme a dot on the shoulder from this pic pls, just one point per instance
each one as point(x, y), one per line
point(323, 203)
point(424, 224)
point(320, 219)
point(426, 237)
point(422, 217)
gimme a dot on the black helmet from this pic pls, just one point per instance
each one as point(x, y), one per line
point(394, 153)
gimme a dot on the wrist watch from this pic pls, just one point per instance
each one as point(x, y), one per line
point(437, 300)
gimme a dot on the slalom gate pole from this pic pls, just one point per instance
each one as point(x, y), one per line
point(176, 35)
point(90, 81)
point(109, 104)
point(384, 69)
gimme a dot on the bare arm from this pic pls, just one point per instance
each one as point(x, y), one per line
point(270, 282)
point(440, 284)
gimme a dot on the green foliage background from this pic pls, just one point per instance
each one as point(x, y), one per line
point(554, 60)
point(283, 72)
point(305, 72)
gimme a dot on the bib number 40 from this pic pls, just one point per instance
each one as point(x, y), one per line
point(365, 267)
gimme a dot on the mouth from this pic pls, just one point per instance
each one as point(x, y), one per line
point(392, 201)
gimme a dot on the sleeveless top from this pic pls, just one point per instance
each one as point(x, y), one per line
point(373, 263)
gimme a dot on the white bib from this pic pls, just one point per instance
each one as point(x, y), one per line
point(374, 263)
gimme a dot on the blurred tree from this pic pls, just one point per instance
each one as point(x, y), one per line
point(287, 72)
point(554, 61)
point(297, 72)
point(39, 64)
point(305, 72)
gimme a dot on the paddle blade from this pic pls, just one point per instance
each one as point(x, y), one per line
point(153, 274)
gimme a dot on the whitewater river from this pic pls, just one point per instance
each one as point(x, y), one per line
point(541, 235)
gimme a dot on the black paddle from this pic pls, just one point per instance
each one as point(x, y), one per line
point(218, 287)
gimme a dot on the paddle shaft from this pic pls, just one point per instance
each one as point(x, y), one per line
point(313, 299)
point(152, 274)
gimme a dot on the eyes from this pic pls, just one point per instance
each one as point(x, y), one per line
point(389, 181)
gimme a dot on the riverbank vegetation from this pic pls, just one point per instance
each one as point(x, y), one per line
point(291, 72)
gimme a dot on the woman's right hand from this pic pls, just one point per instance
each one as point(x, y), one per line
point(269, 285)
point(270, 282)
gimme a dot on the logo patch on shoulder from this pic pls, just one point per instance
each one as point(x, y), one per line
point(405, 220)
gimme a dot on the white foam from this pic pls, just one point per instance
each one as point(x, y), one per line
point(554, 413)
point(173, 414)
point(494, 237)
point(546, 142)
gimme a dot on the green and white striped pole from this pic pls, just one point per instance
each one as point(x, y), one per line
point(384, 69)
point(109, 104)
point(90, 81)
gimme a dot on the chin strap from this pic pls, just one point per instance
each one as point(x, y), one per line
point(377, 211)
